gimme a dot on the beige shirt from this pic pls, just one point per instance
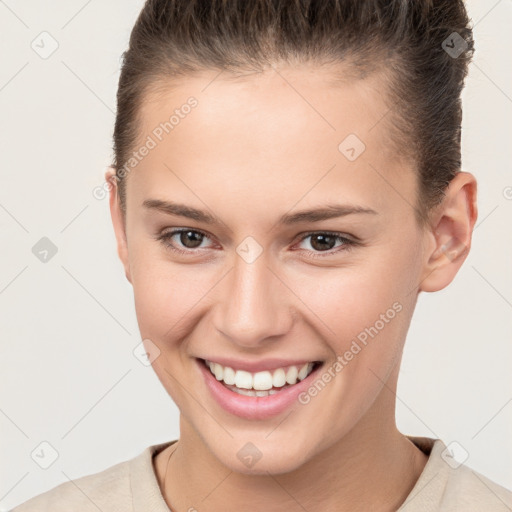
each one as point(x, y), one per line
point(132, 486)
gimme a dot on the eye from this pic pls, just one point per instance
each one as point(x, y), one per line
point(190, 238)
point(325, 241)
point(321, 242)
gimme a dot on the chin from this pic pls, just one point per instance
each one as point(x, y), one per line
point(250, 461)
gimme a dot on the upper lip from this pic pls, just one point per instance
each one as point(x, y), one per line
point(260, 366)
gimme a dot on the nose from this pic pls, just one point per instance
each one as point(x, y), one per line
point(255, 306)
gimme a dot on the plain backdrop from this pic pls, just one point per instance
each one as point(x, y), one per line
point(68, 375)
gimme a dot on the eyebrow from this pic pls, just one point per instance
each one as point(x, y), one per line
point(329, 211)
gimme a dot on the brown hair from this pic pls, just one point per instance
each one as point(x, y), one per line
point(424, 47)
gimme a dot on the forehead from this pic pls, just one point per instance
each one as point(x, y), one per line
point(285, 128)
point(320, 100)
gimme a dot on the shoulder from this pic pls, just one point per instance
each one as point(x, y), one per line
point(446, 485)
point(471, 491)
point(107, 490)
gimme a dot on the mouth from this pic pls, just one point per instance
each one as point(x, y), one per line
point(240, 392)
point(263, 383)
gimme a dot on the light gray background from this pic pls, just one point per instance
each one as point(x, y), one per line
point(68, 326)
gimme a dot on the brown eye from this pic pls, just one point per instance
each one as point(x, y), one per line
point(189, 239)
point(322, 242)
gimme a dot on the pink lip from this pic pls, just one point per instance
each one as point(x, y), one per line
point(253, 407)
point(259, 366)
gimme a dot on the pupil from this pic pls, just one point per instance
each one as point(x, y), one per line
point(191, 234)
point(325, 238)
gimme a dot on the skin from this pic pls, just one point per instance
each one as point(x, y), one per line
point(252, 150)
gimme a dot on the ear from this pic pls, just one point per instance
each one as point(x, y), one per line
point(450, 233)
point(118, 220)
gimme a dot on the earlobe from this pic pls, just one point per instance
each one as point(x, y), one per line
point(450, 233)
point(118, 221)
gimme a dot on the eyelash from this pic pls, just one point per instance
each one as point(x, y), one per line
point(348, 244)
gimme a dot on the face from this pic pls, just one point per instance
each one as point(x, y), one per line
point(252, 283)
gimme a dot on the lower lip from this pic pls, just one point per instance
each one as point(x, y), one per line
point(253, 407)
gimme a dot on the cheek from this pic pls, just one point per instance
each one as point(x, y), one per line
point(364, 310)
point(167, 297)
point(363, 319)
point(354, 296)
point(168, 303)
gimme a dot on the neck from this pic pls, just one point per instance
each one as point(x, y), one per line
point(373, 467)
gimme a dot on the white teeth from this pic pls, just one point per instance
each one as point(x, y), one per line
point(218, 371)
point(279, 378)
point(291, 375)
point(261, 382)
point(243, 379)
point(229, 375)
point(250, 392)
point(304, 371)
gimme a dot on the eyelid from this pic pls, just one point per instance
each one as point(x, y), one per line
point(349, 241)
point(165, 235)
point(338, 234)
point(348, 244)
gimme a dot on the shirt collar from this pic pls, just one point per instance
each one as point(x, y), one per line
point(428, 490)
point(146, 493)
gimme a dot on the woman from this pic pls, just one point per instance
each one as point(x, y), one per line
point(286, 181)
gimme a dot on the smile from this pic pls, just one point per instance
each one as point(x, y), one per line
point(242, 398)
point(260, 383)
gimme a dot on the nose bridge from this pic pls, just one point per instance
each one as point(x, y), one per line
point(254, 305)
